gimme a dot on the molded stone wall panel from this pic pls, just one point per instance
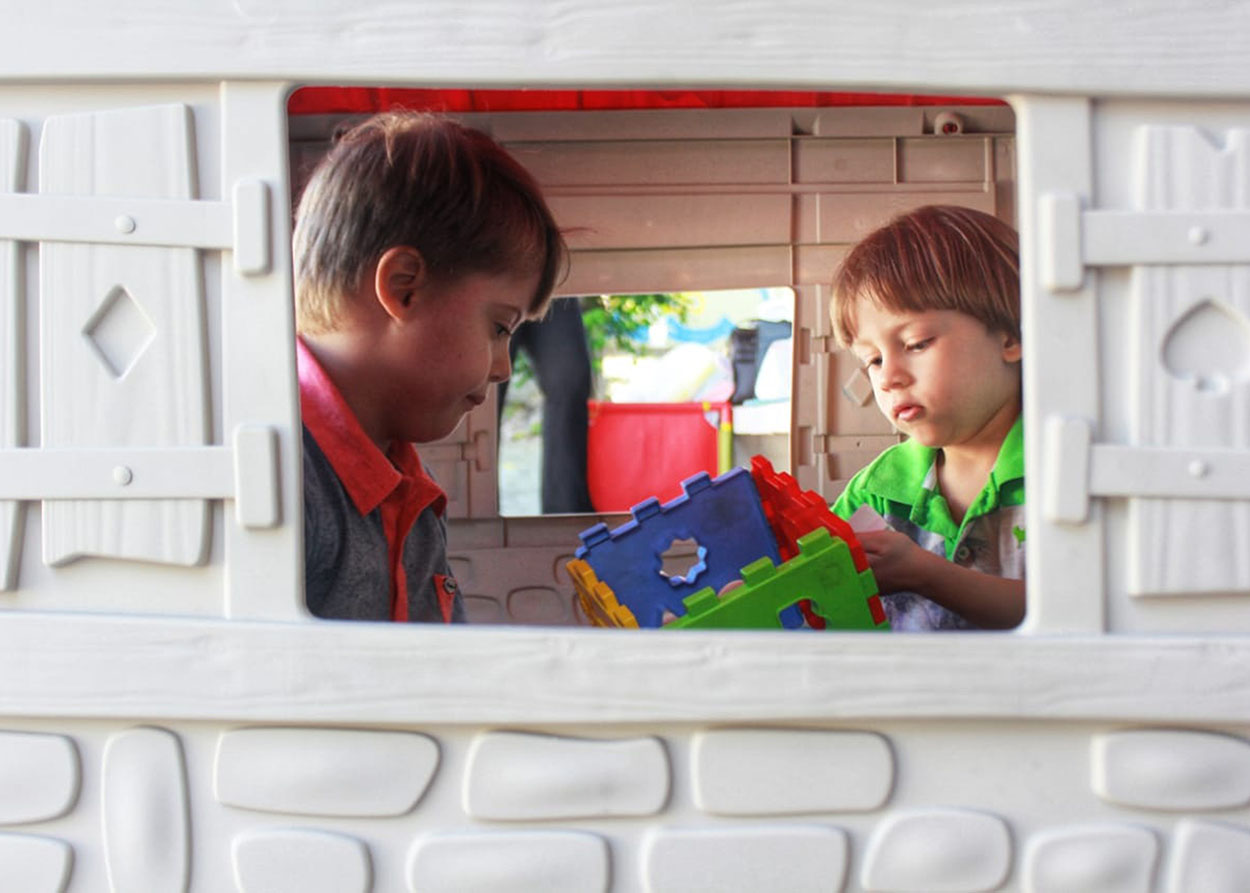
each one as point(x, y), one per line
point(793, 858)
point(551, 861)
point(514, 776)
point(31, 864)
point(332, 772)
point(1209, 856)
point(146, 822)
point(779, 772)
point(1172, 770)
point(938, 850)
point(295, 861)
point(1106, 858)
point(39, 777)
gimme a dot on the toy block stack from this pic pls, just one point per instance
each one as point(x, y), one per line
point(799, 564)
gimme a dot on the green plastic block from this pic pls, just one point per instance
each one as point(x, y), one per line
point(823, 572)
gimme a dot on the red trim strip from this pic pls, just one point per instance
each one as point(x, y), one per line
point(361, 100)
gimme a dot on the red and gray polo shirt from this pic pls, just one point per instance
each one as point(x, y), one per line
point(375, 542)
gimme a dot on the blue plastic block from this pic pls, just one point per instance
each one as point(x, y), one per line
point(723, 515)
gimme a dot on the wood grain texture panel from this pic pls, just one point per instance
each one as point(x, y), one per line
point(1066, 584)
point(224, 670)
point(1191, 325)
point(12, 348)
point(1198, 47)
point(122, 337)
point(264, 569)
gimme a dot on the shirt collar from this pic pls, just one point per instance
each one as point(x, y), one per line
point(907, 463)
point(913, 461)
point(368, 475)
point(1010, 463)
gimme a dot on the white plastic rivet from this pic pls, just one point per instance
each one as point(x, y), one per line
point(123, 475)
point(1198, 468)
point(125, 224)
point(1198, 235)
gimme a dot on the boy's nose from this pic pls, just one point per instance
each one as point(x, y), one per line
point(501, 365)
point(893, 372)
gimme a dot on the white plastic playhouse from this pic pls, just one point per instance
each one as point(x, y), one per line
point(172, 718)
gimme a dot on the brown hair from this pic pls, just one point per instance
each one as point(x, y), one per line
point(423, 180)
point(939, 257)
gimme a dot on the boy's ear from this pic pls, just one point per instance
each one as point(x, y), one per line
point(398, 279)
point(1012, 350)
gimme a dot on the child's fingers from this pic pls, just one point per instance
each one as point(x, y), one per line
point(875, 542)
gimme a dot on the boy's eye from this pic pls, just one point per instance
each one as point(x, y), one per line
point(919, 345)
point(870, 362)
point(502, 331)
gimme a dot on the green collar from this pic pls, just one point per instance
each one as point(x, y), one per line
point(909, 478)
point(912, 462)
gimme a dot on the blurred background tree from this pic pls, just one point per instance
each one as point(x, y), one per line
point(618, 324)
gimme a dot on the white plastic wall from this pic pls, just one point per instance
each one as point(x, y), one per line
point(174, 727)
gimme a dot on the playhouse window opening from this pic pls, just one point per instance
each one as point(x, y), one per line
point(685, 195)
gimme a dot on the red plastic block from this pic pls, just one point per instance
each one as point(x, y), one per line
point(793, 513)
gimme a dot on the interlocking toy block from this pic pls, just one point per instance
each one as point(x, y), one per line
point(723, 515)
point(633, 559)
point(598, 600)
point(792, 512)
point(823, 573)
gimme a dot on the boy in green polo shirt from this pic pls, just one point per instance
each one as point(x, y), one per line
point(930, 304)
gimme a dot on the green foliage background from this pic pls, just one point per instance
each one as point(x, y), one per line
point(616, 323)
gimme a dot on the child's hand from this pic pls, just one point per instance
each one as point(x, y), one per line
point(896, 561)
point(900, 565)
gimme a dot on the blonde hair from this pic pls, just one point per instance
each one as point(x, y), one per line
point(425, 181)
point(939, 257)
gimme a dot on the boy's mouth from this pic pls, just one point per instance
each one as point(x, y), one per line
point(907, 412)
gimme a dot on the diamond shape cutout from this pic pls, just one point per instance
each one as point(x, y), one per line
point(858, 388)
point(119, 331)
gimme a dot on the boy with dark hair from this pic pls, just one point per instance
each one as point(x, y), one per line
point(420, 245)
point(930, 304)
